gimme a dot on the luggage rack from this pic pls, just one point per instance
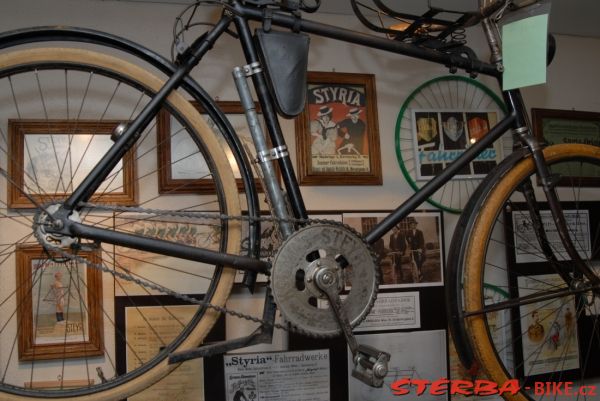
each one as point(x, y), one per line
point(427, 30)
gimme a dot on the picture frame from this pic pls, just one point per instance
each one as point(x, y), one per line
point(68, 320)
point(397, 267)
point(337, 134)
point(194, 379)
point(184, 176)
point(39, 146)
point(569, 126)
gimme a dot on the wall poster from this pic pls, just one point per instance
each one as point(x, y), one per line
point(337, 138)
point(440, 137)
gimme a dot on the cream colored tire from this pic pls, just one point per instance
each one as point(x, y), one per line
point(478, 265)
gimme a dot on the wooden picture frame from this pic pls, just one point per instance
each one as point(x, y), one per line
point(186, 179)
point(337, 135)
point(68, 320)
point(569, 126)
point(35, 143)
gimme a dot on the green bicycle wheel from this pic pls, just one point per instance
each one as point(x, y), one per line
point(436, 123)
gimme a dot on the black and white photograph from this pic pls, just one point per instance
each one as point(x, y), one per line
point(412, 254)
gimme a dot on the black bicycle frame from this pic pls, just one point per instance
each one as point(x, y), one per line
point(240, 15)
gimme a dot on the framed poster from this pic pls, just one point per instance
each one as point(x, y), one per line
point(436, 123)
point(136, 342)
point(412, 254)
point(52, 157)
point(59, 309)
point(551, 328)
point(181, 169)
point(337, 137)
point(567, 126)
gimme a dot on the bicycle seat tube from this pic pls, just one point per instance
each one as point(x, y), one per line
point(272, 123)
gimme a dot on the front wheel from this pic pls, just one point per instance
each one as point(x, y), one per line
point(94, 321)
point(541, 330)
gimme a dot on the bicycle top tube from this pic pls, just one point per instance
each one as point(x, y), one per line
point(470, 64)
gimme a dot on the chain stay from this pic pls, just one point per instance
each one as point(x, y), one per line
point(197, 215)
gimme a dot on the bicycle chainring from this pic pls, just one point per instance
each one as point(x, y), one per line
point(321, 247)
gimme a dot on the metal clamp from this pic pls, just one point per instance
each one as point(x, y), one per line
point(272, 154)
point(251, 69)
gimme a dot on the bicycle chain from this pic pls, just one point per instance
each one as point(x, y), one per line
point(200, 215)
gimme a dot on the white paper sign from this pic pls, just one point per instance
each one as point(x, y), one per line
point(278, 376)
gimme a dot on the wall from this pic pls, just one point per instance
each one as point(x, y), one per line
point(573, 83)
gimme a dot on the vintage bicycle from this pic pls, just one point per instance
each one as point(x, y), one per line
point(81, 157)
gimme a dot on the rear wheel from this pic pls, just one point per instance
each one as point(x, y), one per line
point(68, 328)
point(543, 330)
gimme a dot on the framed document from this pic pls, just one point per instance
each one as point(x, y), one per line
point(278, 376)
point(152, 267)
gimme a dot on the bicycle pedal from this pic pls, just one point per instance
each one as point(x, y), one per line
point(370, 365)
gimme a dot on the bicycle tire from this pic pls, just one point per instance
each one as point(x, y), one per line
point(447, 94)
point(48, 76)
point(533, 333)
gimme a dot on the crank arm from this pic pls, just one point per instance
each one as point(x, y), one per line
point(370, 364)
